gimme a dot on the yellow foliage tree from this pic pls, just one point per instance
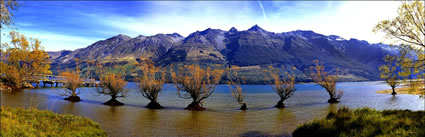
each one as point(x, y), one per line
point(389, 72)
point(111, 84)
point(234, 85)
point(326, 81)
point(407, 32)
point(196, 83)
point(151, 82)
point(23, 60)
point(284, 87)
point(411, 72)
point(71, 82)
point(6, 8)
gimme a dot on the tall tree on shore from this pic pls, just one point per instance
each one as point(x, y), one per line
point(23, 60)
point(234, 85)
point(410, 71)
point(6, 12)
point(407, 32)
point(326, 81)
point(151, 82)
point(389, 72)
point(196, 83)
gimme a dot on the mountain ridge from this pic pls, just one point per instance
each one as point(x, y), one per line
point(358, 60)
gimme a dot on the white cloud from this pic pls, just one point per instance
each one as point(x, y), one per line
point(53, 41)
point(353, 19)
point(185, 17)
point(349, 19)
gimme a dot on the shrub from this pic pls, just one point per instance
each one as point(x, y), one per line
point(21, 122)
point(366, 122)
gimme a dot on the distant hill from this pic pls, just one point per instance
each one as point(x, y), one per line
point(253, 49)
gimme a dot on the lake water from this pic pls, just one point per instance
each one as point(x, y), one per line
point(223, 117)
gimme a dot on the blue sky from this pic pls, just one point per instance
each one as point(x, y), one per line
point(77, 24)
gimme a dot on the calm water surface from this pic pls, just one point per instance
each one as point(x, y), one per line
point(222, 117)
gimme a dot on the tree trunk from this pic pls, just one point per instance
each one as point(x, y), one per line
point(154, 105)
point(280, 104)
point(113, 102)
point(333, 100)
point(244, 107)
point(394, 93)
point(195, 106)
point(73, 98)
point(38, 83)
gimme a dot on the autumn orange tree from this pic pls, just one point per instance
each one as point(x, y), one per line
point(71, 82)
point(151, 82)
point(284, 87)
point(111, 84)
point(196, 83)
point(23, 61)
point(234, 84)
point(326, 81)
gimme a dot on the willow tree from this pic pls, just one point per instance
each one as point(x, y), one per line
point(234, 84)
point(111, 84)
point(196, 83)
point(411, 73)
point(407, 32)
point(326, 81)
point(6, 12)
point(284, 87)
point(389, 72)
point(151, 82)
point(23, 61)
point(71, 82)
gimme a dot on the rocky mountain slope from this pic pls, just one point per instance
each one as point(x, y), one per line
point(253, 49)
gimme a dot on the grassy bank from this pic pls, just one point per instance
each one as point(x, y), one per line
point(22, 122)
point(366, 123)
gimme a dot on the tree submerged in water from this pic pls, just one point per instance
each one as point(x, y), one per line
point(284, 87)
point(327, 81)
point(196, 83)
point(406, 32)
point(151, 83)
point(389, 72)
point(71, 83)
point(113, 85)
point(234, 85)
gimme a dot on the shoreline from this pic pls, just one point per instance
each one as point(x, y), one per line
point(403, 90)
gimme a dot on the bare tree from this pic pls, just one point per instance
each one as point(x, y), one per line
point(284, 87)
point(151, 82)
point(234, 85)
point(111, 84)
point(327, 81)
point(196, 83)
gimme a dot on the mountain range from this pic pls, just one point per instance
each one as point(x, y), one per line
point(253, 50)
